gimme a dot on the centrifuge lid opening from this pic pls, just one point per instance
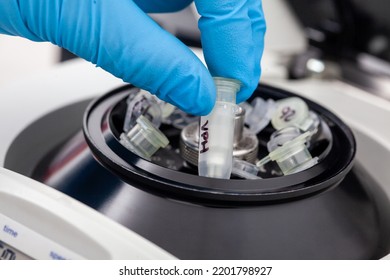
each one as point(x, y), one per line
point(102, 135)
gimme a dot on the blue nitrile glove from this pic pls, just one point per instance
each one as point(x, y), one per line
point(119, 37)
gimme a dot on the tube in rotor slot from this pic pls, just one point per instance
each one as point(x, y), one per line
point(216, 132)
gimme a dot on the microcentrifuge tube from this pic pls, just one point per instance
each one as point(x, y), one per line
point(260, 114)
point(144, 139)
point(291, 156)
point(216, 132)
point(166, 109)
point(292, 111)
point(315, 122)
point(244, 169)
point(179, 119)
point(143, 103)
point(282, 136)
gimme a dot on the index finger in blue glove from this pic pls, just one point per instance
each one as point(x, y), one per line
point(232, 33)
point(119, 37)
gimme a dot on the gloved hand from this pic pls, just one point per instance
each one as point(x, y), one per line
point(119, 37)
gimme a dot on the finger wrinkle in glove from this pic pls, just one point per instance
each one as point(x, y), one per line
point(13, 23)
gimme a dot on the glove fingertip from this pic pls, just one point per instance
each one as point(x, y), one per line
point(194, 94)
point(247, 91)
point(198, 101)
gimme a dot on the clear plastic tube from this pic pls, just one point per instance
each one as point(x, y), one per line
point(245, 170)
point(179, 119)
point(260, 114)
point(216, 132)
point(143, 103)
point(144, 138)
point(292, 156)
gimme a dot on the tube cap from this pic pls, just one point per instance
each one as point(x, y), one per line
point(292, 156)
point(291, 111)
point(144, 139)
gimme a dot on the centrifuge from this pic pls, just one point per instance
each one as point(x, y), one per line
point(69, 189)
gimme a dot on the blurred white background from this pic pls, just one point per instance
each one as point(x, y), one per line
point(20, 58)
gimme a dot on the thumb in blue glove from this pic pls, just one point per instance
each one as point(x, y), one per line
point(119, 37)
point(232, 34)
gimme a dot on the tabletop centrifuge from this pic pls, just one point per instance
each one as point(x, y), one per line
point(335, 208)
point(316, 190)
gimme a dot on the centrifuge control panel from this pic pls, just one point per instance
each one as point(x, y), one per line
point(38, 222)
point(19, 242)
